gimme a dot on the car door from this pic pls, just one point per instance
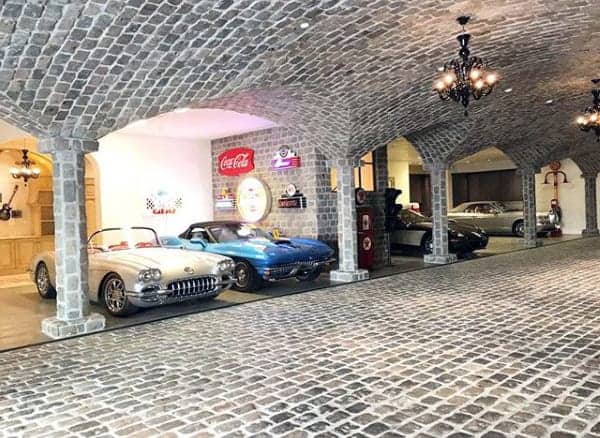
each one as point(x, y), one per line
point(463, 215)
point(496, 219)
point(482, 215)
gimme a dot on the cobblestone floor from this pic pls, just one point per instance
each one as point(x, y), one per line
point(502, 346)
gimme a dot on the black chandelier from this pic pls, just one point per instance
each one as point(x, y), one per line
point(590, 120)
point(467, 76)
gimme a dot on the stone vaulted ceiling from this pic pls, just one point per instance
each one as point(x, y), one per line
point(359, 76)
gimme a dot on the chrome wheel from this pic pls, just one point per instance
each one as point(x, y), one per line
point(42, 282)
point(42, 279)
point(242, 275)
point(520, 229)
point(246, 277)
point(115, 297)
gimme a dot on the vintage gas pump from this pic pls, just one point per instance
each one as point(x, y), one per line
point(366, 234)
point(555, 213)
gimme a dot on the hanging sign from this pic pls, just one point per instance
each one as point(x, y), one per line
point(225, 200)
point(237, 161)
point(285, 158)
point(253, 199)
point(292, 198)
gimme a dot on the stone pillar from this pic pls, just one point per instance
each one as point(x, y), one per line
point(591, 205)
point(439, 215)
point(382, 244)
point(530, 239)
point(73, 315)
point(347, 238)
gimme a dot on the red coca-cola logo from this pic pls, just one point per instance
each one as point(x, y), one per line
point(237, 161)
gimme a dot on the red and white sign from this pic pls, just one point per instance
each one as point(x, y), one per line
point(237, 161)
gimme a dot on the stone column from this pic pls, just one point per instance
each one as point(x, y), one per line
point(73, 315)
point(439, 214)
point(530, 239)
point(591, 205)
point(347, 238)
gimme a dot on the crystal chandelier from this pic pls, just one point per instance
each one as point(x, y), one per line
point(590, 120)
point(25, 169)
point(467, 76)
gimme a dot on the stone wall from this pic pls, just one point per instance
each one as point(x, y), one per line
point(311, 178)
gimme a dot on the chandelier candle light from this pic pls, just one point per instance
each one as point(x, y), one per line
point(590, 120)
point(467, 76)
point(26, 169)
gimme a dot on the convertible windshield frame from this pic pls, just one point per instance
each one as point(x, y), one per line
point(233, 228)
point(157, 242)
point(413, 215)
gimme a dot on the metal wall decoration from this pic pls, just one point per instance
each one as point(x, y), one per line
point(285, 158)
point(162, 202)
point(466, 76)
point(225, 200)
point(590, 120)
point(236, 161)
point(292, 198)
point(253, 200)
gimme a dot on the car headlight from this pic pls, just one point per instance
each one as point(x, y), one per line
point(225, 265)
point(147, 275)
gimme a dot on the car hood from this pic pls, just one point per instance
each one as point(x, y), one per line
point(278, 251)
point(167, 260)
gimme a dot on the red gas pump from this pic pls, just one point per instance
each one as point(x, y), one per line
point(366, 238)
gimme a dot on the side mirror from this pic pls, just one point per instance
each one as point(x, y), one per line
point(198, 242)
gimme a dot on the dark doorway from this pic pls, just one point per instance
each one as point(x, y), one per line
point(420, 191)
point(499, 185)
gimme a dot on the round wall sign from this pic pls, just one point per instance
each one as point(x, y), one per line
point(361, 196)
point(253, 199)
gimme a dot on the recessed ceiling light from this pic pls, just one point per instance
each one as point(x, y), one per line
point(507, 90)
point(181, 110)
point(440, 69)
point(304, 25)
point(549, 102)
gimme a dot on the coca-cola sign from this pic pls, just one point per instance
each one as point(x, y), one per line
point(237, 161)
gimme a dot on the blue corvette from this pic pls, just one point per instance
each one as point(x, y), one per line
point(258, 256)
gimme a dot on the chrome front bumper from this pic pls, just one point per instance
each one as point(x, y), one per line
point(291, 270)
point(155, 295)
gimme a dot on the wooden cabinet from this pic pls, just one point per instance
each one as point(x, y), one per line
point(16, 253)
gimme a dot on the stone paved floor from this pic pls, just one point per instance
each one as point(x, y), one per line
point(501, 346)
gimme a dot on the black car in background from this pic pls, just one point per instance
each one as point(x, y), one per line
point(412, 230)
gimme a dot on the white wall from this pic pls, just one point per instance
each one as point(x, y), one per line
point(400, 172)
point(571, 197)
point(133, 167)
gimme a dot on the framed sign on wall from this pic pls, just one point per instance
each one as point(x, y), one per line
point(236, 161)
point(253, 199)
point(285, 158)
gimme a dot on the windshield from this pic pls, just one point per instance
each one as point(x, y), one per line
point(120, 239)
point(237, 231)
point(412, 217)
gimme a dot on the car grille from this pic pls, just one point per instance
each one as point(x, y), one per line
point(286, 269)
point(191, 286)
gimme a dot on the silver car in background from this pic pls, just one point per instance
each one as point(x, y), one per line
point(129, 268)
point(497, 217)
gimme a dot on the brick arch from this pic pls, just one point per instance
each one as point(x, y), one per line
point(101, 64)
point(13, 114)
